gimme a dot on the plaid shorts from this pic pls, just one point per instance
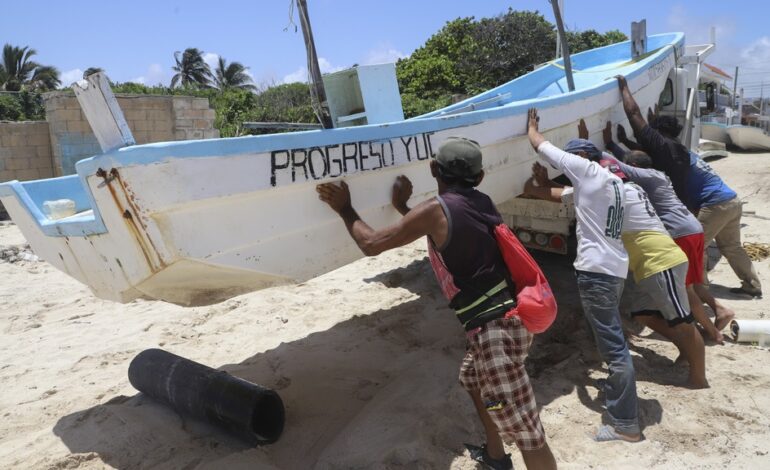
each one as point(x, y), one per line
point(494, 365)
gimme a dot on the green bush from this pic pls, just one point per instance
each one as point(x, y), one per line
point(22, 106)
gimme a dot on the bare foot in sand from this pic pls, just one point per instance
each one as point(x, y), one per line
point(723, 317)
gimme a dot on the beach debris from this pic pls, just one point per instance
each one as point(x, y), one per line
point(757, 251)
point(17, 254)
point(253, 413)
point(751, 331)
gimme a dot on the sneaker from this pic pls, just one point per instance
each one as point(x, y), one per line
point(479, 454)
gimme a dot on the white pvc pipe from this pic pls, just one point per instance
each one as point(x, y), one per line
point(751, 331)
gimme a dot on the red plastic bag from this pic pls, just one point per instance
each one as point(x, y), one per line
point(535, 303)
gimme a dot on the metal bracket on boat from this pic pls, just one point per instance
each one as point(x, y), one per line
point(106, 177)
point(638, 38)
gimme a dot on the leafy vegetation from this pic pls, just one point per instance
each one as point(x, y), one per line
point(21, 106)
point(19, 72)
point(191, 70)
point(468, 56)
point(232, 75)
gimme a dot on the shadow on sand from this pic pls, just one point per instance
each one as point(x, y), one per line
point(348, 401)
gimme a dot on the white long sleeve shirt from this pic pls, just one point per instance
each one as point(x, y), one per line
point(599, 199)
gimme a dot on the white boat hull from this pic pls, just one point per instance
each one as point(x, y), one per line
point(749, 138)
point(197, 222)
point(714, 131)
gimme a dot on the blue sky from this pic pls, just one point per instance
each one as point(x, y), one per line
point(135, 41)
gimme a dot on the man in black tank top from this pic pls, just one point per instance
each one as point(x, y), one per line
point(459, 223)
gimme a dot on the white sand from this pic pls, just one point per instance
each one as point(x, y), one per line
point(365, 359)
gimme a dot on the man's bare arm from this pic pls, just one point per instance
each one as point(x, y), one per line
point(552, 194)
point(633, 113)
point(426, 218)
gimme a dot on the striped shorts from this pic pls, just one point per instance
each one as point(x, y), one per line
point(663, 294)
point(494, 365)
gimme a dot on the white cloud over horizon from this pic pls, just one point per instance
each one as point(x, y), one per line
point(70, 76)
point(301, 74)
point(383, 53)
point(155, 75)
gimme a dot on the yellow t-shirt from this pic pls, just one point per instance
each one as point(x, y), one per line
point(651, 252)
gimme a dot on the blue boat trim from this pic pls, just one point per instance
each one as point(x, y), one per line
point(544, 88)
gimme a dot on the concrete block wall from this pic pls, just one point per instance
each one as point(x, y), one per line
point(25, 151)
point(151, 118)
point(193, 119)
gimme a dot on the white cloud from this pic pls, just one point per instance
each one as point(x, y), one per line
point(382, 54)
point(757, 53)
point(155, 75)
point(71, 76)
point(300, 75)
point(212, 59)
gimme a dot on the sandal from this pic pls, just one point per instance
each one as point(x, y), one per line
point(479, 454)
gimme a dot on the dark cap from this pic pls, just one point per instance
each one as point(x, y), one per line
point(584, 145)
point(460, 157)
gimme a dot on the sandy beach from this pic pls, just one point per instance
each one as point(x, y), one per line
point(366, 360)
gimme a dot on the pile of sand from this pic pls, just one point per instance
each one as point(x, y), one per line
point(366, 361)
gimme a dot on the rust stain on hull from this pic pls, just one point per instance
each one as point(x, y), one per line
point(147, 248)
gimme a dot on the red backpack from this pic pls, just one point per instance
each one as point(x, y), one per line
point(535, 303)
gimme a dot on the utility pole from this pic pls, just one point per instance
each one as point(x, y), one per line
point(317, 90)
point(735, 96)
point(558, 38)
point(564, 44)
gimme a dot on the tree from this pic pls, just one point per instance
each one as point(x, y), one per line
point(18, 71)
point(232, 76)
point(191, 70)
point(580, 41)
point(91, 71)
point(468, 56)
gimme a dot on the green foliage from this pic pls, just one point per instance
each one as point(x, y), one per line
point(10, 108)
point(191, 70)
point(23, 106)
point(232, 75)
point(468, 56)
point(590, 39)
point(18, 71)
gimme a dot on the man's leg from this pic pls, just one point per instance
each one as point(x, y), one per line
point(600, 297)
point(689, 342)
point(723, 315)
point(729, 242)
point(713, 219)
point(494, 442)
point(541, 458)
point(696, 305)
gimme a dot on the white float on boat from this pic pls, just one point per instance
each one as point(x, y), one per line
point(195, 222)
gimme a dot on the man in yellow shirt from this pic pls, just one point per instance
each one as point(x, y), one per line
point(659, 296)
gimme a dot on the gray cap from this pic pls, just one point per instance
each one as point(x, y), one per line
point(460, 157)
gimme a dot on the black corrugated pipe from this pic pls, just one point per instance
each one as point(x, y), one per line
point(246, 410)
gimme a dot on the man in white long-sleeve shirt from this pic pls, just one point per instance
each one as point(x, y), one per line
point(601, 266)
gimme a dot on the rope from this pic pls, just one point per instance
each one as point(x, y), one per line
point(291, 17)
point(757, 251)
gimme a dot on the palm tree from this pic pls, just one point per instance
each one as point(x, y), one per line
point(191, 70)
point(18, 71)
point(91, 71)
point(232, 76)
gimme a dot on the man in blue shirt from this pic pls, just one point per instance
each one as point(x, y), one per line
point(719, 211)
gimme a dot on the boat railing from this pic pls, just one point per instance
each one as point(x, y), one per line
point(497, 100)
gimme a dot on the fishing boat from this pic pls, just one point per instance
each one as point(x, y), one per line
point(714, 130)
point(750, 137)
point(196, 222)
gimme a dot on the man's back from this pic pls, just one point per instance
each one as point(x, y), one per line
point(599, 200)
point(470, 252)
point(705, 187)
